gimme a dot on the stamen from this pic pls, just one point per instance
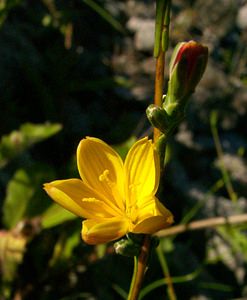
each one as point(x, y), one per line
point(133, 187)
point(92, 200)
point(133, 191)
point(131, 212)
point(111, 188)
point(105, 176)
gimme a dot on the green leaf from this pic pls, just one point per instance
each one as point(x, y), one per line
point(24, 195)
point(55, 215)
point(105, 15)
point(16, 142)
point(19, 192)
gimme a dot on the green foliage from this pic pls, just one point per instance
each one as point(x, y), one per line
point(237, 240)
point(105, 15)
point(16, 142)
point(54, 216)
point(24, 196)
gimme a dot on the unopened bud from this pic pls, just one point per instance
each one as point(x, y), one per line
point(157, 116)
point(187, 66)
point(127, 247)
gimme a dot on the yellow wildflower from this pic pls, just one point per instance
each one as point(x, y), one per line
point(114, 197)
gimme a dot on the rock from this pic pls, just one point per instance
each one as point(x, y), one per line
point(114, 7)
point(235, 165)
point(142, 90)
point(219, 248)
point(240, 101)
point(215, 20)
point(143, 9)
point(242, 17)
point(182, 23)
point(148, 66)
point(144, 33)
point(214, 81)
point(185, 137)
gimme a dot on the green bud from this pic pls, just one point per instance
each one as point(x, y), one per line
point(127, 247)
point(157, 117)
point(187, 66)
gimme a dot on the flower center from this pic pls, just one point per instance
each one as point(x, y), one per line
point(111, 189)
point(131, 202)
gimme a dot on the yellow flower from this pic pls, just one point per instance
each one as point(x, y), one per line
point(114, 197)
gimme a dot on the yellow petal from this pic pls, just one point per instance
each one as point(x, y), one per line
point(104, 230)
point(99, 209)
point(152, 224)
point(142, 170)
point(152, 207)
point(102, 169)
point(152, 217)
point(76, 197)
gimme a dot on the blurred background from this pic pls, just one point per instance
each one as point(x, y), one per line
point(76, 68)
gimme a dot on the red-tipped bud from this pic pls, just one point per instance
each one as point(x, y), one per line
point(187, 66)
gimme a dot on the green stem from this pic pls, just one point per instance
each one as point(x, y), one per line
point(160, 47)
point(220, 154)
point(133, 281)
point(170, 289)
point(140, 266)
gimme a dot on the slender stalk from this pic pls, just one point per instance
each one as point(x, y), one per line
point(167, 276)
point(161, 38)
point(132, 290)
point(160, 47)
point(225, 176)
point(159, 84)
point(140, 265)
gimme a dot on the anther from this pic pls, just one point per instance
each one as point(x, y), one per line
point(104, 176)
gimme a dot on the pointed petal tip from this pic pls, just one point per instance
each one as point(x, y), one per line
point(47, 187)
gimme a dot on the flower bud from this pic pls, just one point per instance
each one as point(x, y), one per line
point(157, 116)
point(127, 247)
point(187, 66)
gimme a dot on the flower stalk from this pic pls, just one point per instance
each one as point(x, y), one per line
point(140, 266)
point(160, 47)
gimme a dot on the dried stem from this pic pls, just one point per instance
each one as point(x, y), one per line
point(202, 224)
